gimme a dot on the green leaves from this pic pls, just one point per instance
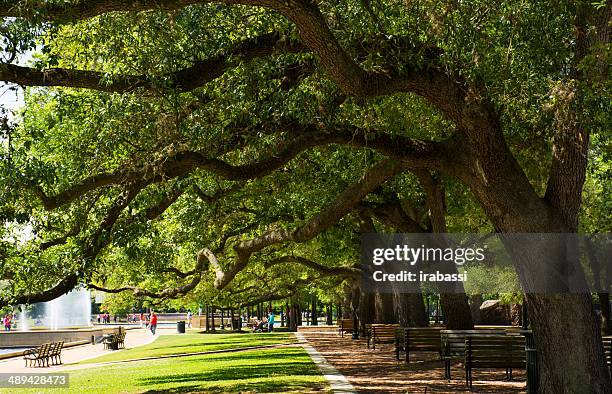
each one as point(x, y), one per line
point(513, 52)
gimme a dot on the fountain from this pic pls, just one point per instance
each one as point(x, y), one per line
point(68, 311)
point(23, 318)
point(67, 318)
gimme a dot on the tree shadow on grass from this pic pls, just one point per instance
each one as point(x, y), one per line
point(236, 377)
point(224, 343)
point(247, 387)
point(252, 355)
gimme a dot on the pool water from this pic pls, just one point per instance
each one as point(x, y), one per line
point(12, 349)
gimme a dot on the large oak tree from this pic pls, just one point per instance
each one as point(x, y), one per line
point(191, 102)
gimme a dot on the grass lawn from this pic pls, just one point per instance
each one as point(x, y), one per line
point(192, 343)
point(270, 370)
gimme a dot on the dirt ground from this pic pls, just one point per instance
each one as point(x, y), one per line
point(377, 371)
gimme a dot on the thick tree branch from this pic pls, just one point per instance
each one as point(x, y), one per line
point(280, 294)
point(93, 245)
point(572, 127)
point(200, 73)
point(445, 93)
point(436, 199)
point(393, 215)
point(75, 230)
point(172, 292)
point(329, 216)
point(410, 152)
point(322, 269)
point(63, 11)
point(219, 194)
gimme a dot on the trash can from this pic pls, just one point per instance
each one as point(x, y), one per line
point(180, 327)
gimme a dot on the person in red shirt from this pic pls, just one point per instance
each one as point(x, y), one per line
point(153, 323)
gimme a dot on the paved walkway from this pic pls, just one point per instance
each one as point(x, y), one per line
point(339, 383)
point(133, 338)
point(377, 371)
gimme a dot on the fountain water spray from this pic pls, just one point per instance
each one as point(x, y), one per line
point(70, 310)
point(23, 319)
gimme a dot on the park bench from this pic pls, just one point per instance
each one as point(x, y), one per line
point(381, 333)
point(420, 339)
point(345, 325)
point(39, 355)
point(494, 351)
point(55, 354)
point(453, 345)
point(607, 345)
point(114, 341)
point(121, 340)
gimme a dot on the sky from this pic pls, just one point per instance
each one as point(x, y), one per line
point(9, 98)
point(12, 99)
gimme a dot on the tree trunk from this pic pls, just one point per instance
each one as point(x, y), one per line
point(355, 315)
point(314, 316)
point(475, 302)
point(457, 312)
point(367, 311)
point(384, 304)
point(411, 310)
point(604, 302)
point(568, 344)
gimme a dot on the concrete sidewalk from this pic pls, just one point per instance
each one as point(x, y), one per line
point(133, 338)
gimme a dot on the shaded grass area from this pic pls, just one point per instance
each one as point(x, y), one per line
point(167, 345)
point(270, 370)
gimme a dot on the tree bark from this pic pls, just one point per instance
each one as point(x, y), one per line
point(314, 315)
point(384, 304)
point(604, 302)
point(475, 302)
point(367, 311)
point(457, 312)
point(411, 310)
point(569, 344)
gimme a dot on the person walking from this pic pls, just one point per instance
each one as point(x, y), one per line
point(189, 319)
point(271, 321)
point(153, 323)
point(7, 322)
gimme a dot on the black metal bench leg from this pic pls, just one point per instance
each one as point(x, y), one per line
point(468, 377)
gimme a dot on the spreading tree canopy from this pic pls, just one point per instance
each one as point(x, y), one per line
point(173, 147)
